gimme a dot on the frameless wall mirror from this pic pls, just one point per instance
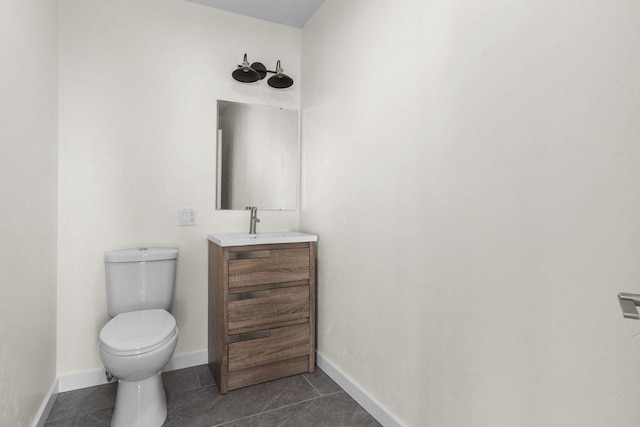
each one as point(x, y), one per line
point(257, 160)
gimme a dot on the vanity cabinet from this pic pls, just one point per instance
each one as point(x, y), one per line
point(261, 312)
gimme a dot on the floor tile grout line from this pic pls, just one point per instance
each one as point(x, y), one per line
point(193, 368)
point(215, 400)
point(265, 412)
point(314, 387)
point(198, 376)
point(276, 409)
point(272, 400)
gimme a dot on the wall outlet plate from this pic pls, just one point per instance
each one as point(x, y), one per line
point(187, 216)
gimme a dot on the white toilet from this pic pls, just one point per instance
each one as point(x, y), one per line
point(140, 339)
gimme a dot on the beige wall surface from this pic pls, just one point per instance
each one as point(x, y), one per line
point(139, 82)
point(472, 170)
point(28, 194)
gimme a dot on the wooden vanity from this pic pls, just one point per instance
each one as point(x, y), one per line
point(261, 312)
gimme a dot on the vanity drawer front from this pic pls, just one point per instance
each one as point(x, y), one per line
point(261, 267)
point(282, 344)
point(267, 309)
point(272, 371)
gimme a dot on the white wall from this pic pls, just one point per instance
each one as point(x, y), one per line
point(139, 82)
point(28, 193)
point(472, 170)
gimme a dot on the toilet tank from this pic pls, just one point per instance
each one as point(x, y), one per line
point(140, 279)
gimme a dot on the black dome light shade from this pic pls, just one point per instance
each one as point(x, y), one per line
point(280, 80)
point(260, 68)
point(245, 73)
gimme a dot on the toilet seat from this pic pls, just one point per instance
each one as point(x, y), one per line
point(138, 332)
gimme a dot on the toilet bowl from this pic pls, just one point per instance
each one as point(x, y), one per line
point(134, 347)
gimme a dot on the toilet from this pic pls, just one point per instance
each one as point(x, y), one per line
point(141, 337)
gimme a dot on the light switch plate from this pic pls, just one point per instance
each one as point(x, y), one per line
point(187, 216)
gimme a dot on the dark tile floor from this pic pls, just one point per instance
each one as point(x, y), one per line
point(193, 400)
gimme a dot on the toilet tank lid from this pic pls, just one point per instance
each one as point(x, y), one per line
point(140, 254)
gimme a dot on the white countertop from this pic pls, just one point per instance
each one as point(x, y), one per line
point(246, 239)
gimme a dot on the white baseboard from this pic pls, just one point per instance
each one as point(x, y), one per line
point(97, 377)
point(47, 404)
point(188, 360)
point(368, 402)
point(81, 380)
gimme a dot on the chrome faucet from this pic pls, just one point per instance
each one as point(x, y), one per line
point(254, 218)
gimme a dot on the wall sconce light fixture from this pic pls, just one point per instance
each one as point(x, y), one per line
point(246, 73)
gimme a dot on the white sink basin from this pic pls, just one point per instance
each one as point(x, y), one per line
point(246, 239)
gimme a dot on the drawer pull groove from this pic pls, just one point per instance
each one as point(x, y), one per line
point(250, 255)
point(249, 336)
point(249, 295)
